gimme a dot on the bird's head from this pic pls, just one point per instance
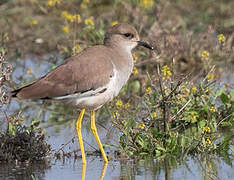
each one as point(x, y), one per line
point(124, 35)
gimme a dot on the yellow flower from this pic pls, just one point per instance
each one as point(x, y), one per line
point(5, 39)
point(193, 89)
point(64, 14)
point(115, 114)
point(33, 22)
point(221, 38)
point(119, 103)
point(83, 5)
point(134, 57)
point(181, 98)
point(65, 29)
point(210, 76)
point(210, 165)
point(77, 18)
point(172, 134)
point(206, 129)
point(194, 117)
point(146, 3)
point(50, 3)
point(185, 90)
point(89, 22)
point(127, 105)
point(141, 125)
point(29, 71)
point(208, 141)
point(135, 71)
point(69, 17)
point(212, 109)
point(114, 23)
point(207, 91)
point(154, 114)
point(148, 90)
point(164, 88)
point(76, 49)
point(205, 55)
point(166, 72)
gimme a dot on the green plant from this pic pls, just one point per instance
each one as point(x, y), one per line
point(175, 118)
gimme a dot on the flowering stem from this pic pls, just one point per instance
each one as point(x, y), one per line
point(163, 103)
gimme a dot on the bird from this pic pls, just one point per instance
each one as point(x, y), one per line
point(91, 78)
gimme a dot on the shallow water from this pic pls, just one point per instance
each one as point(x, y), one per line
point(204, 167)
point(194, 168)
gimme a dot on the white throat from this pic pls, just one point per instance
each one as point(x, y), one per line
point(129, 47)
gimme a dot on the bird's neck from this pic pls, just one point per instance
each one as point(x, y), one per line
point(122, 60)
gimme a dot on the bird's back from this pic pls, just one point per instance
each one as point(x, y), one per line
point(77, 74)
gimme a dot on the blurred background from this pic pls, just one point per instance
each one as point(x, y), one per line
point(38, 35)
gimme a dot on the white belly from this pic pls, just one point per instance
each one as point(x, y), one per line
point(95, 99)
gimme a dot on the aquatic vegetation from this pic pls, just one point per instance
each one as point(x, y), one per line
point(23, 143)
point(19, 143)
point(176, 118)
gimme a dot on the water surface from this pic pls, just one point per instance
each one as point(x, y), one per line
point(194, 168)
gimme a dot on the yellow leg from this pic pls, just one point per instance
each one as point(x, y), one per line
point(94, 130)
point(83, 172)
point(78, 129)
point(103, 171)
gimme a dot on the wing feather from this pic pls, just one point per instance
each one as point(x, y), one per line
point(88, 70)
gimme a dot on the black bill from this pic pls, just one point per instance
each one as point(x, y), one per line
point(144, 44)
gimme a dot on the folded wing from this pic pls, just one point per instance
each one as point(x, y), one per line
point(87, 71)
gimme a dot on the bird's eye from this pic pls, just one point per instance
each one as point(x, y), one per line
point(128, 35)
